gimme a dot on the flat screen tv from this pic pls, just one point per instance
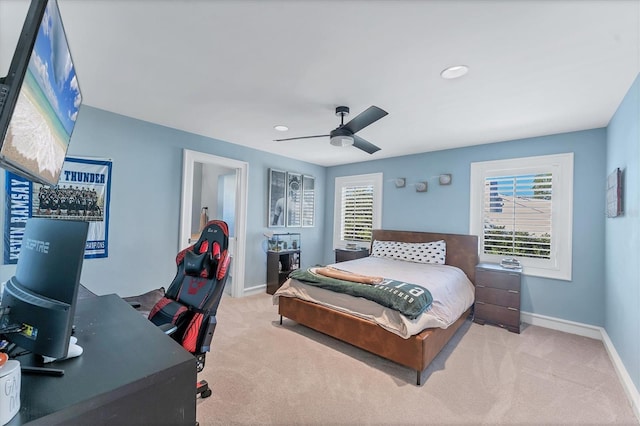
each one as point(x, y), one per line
point(39, 98)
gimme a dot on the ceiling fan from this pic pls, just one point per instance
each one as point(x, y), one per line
point(345, 134)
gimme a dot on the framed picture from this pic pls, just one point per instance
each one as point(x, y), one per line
point(614, 193)
point(277, 197)
point(308, 201)
point(294, 201)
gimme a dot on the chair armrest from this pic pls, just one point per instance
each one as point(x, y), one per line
point(168, 328)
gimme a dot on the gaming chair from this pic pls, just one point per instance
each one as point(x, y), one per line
point(190, 304)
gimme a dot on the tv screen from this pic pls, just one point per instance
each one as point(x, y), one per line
point(41, 98)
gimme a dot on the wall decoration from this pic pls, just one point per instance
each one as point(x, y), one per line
point(445, 179)
point(294, 200)
point(277, 199)
point(308, 200)
point(614, 193)
point(400, 182)
point(83, 193)
point(291, 199)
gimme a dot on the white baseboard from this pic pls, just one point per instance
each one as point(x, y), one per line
point(566, 326)
point(623, 375)
point(261, 288)
point(593, 332)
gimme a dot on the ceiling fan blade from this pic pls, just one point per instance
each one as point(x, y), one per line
point(366, 117)
point(364, 145)
point(301, 137)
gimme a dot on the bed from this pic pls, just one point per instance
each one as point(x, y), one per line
point(414, 351)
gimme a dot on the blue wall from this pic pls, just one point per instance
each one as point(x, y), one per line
point(446, 209)
point(622, 236)
point(145, 201)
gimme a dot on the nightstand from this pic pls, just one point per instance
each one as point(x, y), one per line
point(279, 266)
point(342, 255)
point(498, 296)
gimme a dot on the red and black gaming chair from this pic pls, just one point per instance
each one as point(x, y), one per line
point(188, 309)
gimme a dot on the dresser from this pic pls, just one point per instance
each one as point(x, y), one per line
point(498, 296)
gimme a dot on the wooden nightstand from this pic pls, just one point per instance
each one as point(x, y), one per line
point(342, 255)
point(498, 296)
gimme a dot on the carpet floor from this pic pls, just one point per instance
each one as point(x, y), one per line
point(262, 372)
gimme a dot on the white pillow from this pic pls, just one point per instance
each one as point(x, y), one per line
point(433, 252)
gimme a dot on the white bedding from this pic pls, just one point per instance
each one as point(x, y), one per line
point(452, 293)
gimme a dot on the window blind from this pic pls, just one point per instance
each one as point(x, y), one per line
point(357, 213)
point(517, 219)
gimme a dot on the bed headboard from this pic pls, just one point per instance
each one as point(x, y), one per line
point(462, 250)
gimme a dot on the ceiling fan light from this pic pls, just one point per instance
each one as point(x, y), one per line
point(339, 140)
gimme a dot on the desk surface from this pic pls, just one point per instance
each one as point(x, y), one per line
point(129, 372)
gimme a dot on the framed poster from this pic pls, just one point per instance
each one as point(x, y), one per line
point(83, 193)
point(308, 200)
point(277, 199)
point(294, 202)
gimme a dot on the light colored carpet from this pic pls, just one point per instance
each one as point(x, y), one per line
point(262, 372)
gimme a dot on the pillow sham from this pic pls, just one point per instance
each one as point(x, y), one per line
point(431, 252)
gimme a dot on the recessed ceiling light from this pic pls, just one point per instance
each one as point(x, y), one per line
point(454, 72)
point(281, 128)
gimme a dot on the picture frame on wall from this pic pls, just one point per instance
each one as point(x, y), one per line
point(614, 193)
point(277, 198)
point(294, 199)
point(308, 201)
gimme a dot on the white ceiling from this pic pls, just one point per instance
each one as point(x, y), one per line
point(233, 69)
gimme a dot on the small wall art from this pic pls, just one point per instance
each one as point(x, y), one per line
point(308, 201)
point(294, 199)
point(277, 199)
point(614, 193)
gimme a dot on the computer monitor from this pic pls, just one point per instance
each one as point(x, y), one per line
point(40, 98)
point(41, 297)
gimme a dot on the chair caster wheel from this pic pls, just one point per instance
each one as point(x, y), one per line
point(206, 394)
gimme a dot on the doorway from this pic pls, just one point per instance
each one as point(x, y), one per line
point(221, 185)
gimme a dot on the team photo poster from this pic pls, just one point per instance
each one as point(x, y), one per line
point(82, 193)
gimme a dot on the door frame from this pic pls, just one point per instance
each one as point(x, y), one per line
point(189, 158)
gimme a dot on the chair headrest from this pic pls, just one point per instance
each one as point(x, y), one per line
point(195, 264)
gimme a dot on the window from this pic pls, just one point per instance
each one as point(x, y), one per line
point(517, 215)
point(357, 208)
point(523, 208)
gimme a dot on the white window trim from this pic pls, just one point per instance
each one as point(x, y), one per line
point(561, 165)
point(374, 179)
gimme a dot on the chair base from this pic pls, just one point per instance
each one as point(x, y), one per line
point(202, 389)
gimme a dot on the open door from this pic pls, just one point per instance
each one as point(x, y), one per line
point(221, 185)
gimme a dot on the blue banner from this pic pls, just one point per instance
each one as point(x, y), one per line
point(83, 193)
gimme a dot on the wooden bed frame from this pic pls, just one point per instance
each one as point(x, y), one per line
point(417, 351)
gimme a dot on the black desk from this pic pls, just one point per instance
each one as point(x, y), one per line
point(129, 373)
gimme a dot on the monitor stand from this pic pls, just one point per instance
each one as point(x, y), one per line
point(42, 371)
point(74, 351)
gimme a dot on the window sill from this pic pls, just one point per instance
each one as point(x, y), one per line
point(536, 271)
